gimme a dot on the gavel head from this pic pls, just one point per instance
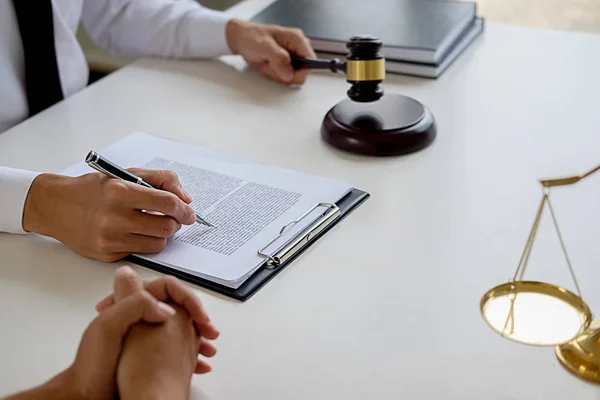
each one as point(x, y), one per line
point(365, 68)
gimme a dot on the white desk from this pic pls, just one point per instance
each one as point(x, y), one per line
point(387, 304)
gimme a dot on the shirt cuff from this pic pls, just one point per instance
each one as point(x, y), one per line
point(14, 186)
point(207, 33)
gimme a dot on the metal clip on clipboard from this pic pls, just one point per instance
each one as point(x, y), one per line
point(301, 239)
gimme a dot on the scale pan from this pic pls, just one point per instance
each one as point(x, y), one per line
point(535, 313)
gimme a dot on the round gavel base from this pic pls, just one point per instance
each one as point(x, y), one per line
point(393, 125)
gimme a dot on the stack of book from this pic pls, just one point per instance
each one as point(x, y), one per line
point(420, 37)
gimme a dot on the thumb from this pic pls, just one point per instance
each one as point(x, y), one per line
point(126, 283)
point(141, 306)
point(279, 60)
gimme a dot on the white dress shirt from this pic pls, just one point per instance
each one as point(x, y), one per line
point(163, 28)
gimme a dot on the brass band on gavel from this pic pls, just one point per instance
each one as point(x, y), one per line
point(365, 70)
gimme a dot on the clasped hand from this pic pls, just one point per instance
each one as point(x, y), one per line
point(144, 343)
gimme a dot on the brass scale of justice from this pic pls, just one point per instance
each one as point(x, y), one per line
point(529, 312)
point(545, 314)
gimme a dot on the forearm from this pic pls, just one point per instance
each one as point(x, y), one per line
point(55, 389)
point(177, 29)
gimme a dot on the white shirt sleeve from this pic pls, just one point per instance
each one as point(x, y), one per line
point(163, 28)
point(14, 187)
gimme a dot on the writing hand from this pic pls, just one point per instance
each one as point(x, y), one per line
point(101, 218)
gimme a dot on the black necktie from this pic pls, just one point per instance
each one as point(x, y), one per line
point(42, 80)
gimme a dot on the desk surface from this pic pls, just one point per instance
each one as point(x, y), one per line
point(387, 305)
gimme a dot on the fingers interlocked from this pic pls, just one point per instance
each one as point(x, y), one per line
point(129, 286)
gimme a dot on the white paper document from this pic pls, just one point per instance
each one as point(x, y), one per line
point(248, 202)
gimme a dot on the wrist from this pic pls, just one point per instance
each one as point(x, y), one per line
point(233, 32)
point(58, 388)
point(40, 206)
point(152, 388)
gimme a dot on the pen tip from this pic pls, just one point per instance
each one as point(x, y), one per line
point(202, 221)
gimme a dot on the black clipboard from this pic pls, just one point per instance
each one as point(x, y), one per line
point(273, 264)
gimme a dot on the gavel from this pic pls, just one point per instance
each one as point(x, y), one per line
point(369, 122)
point(364, 67)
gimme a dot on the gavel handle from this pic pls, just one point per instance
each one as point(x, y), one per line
point(334, 65)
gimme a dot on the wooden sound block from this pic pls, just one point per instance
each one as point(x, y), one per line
point(393, 125)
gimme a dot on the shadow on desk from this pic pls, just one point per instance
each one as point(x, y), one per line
point(47, 266)
point(230, 74)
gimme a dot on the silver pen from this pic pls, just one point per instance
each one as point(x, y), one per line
point(101, 164)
